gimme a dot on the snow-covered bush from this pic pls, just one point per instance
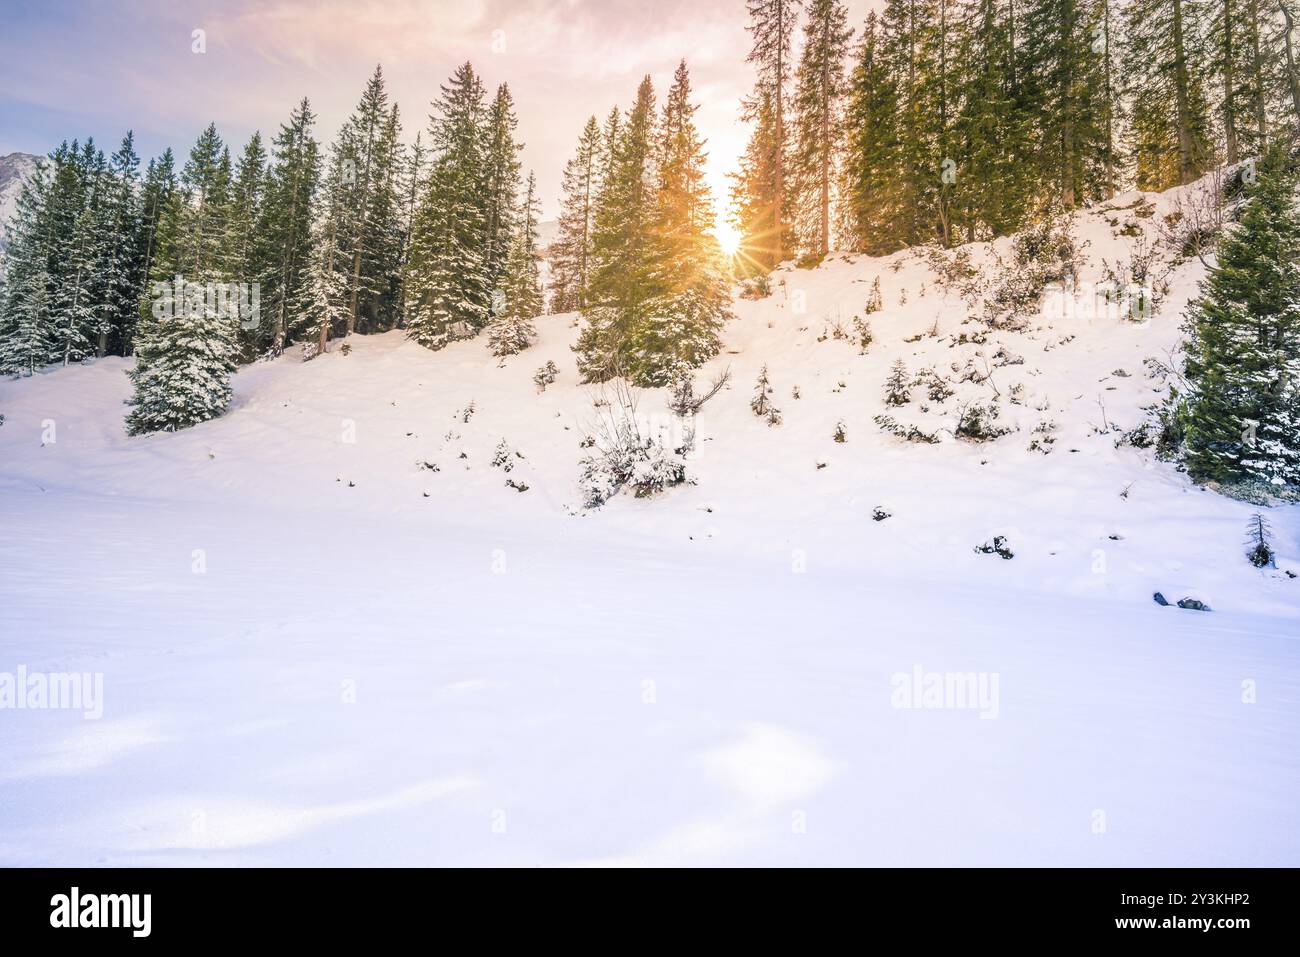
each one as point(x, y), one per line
point(761, 404)
point(546, 375)
point(899, 385)
point(508, 335)
point(1259, 537)
point(624, 457)
point(975, 422)
point(911, 433)
point(862, 331)
point(997, 547)
point(874, 301)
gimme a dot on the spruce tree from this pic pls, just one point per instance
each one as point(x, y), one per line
point(1243, 355)
point(511, 329)
point(571, 255)
point(680, 331)
point(626, 280)
point(188, 345)
point(871, 197)
point(818, 99)
point(1170, 126)
point(500, 185)
point(26, 343)
point(448, 292)
point(767, 186)
point(243, 261)
point(122, 263)
point(285, 232)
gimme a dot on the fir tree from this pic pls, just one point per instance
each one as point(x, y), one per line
point(1243, 355)
point(571, 255)
point(512, 330)
point(680, 331)
point(26, 343)
point(448, 291)
point(1169, 110)
point(500, 186)
point(285, 232)
point(818, 94)
point(764, 183)
point(870, 190)
point(625, 280)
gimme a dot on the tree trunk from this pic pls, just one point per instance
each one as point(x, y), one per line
point(1292, 80)
point(1229, 87)
point(1182, 98)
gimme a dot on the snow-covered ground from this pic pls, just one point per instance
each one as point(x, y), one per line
point(329, 633)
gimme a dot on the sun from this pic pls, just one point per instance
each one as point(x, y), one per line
point(728, 236)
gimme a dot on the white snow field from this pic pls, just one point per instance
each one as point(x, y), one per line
point(315, 650)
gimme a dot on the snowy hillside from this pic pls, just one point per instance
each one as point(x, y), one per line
point(331, 632)
point(14, 168)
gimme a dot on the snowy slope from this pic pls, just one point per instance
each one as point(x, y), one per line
point(14, 168)
point(387, 655)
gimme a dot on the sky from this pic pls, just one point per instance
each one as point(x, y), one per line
point(77, 68)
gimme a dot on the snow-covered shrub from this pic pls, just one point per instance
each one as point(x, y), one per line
point(508, 335)
point(623, 457)
point(911, 433)
point(503, 458)
point(899, 385)
point(975, 422)
point(756, 287)
point(1042, 255)
point(546, 375)
point(683, 402)
point(997, 547)
point(1259, 538)
point(862, 332)
point(874, 301)
point(840, 435)
point(761, 404)
point(937, 387)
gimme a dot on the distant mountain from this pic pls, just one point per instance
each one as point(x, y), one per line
point(547, 232)
point(14, 168)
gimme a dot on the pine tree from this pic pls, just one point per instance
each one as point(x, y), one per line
point(501, 185)
point(242, 256)
point(680, 331)
point(188, 344)
point(571, 255)
point(1067, 82)
point(285, 229)
point(412, 184)
point(1169, 110)
point(624, 282)
point(366, 155)
point(122, 264)
point(818, 99)
point(159, 192)
point(448, 292)
point(512, 330)
point(26, 343)
point(754, 193)
point(183, 366)
point(1243, 354)
point(766, 186)
point(870, 191)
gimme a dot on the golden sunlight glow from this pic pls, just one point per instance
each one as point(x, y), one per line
point(728, 236)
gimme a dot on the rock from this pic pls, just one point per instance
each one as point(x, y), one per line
point(1160, 600)
point(1193, 604)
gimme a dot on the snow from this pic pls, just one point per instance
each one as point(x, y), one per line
point(306, 660)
